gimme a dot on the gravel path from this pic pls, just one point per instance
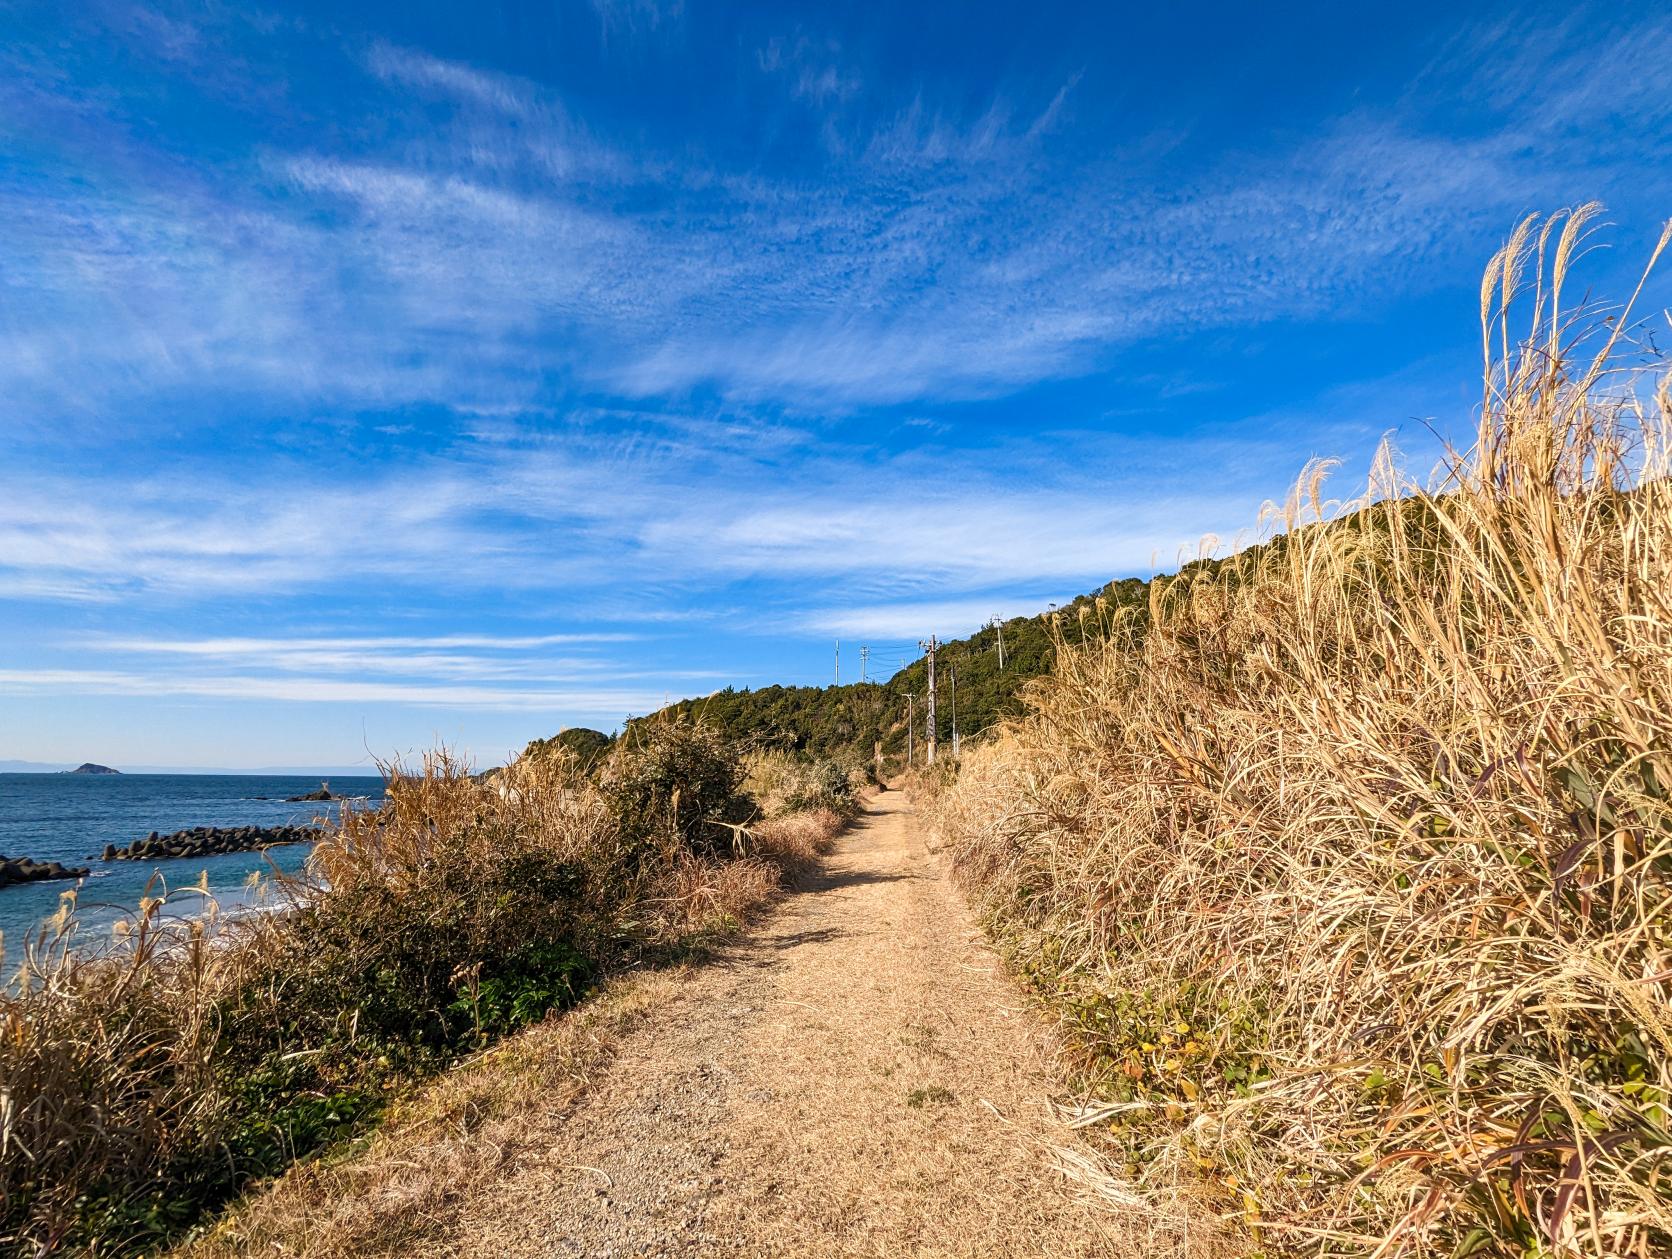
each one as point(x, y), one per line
point(856, 1078)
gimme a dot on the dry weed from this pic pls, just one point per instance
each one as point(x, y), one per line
point(399, 1190)
point(1350, 878)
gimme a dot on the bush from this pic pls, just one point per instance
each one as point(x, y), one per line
point(782, 783)
point(586, 746)
point(674, 786)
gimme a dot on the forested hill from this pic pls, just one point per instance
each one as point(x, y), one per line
point(846, 721)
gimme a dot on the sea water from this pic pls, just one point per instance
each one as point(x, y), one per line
point(71, 817)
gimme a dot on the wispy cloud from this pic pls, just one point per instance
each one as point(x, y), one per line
point(583, 515)
point(230, 534)
point(637, 18)
point(526, 658)
point(611, 703)
point(812, 68)
point(405, 66)
point(440, 642)
point(952, 252)
point(946, 617)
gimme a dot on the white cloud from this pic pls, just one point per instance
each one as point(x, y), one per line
point(585, 515)
point(949, 618)
point(950, 254)
point(517, 98)
point(612, 702)
point(473, 657)
point(983, 537)
point(636, 18)
point(811, 67)
point(378, 642)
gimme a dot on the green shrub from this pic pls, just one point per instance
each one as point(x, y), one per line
point(674, 785)
point(586, 746)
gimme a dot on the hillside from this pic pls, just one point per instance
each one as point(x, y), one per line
point(847, 721)
point(1349, 883)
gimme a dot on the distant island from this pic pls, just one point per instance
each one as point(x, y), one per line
point(87, 767)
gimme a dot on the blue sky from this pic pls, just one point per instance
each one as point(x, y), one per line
point(373, 376)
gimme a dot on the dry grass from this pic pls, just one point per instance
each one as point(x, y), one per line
point(782, 784)
point(143, 1085)
point(703, 897)
point(103, 1065)
point(394, 1191)
point(795, 842)
point(1350, 880)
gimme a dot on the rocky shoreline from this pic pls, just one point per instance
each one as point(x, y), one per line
point(209, 841)
point(28, 870)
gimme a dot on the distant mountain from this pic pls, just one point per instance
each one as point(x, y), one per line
point(87, 767)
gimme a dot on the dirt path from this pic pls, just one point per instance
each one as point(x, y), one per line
point(854, 1078)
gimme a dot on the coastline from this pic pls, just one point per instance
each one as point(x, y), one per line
point(73, 818)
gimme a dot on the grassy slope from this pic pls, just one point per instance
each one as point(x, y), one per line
point(1350, 881)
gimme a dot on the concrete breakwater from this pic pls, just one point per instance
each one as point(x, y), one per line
point(207, 841)
point(28, 870)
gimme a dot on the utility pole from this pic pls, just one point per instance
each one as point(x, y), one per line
point(864, 663)
point(838, 662)
point(999, 626)
point(954, 714)
point(911, 720)
point(930, 647)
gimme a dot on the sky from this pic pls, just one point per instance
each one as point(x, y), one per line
point(379, 376)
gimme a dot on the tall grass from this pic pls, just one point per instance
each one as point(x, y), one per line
point(145, 1083)
point(783, 784)
point(1350, 877)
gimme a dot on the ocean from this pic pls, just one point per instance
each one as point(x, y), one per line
point(71, 817)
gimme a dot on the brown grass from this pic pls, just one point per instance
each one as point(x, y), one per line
point(794, 843)
point(143, 1085)
point(386, 1195)
point(103, 1065)
point(1350, 881)
point(450, 1144)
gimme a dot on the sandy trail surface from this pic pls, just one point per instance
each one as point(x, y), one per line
point(856, 1077)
